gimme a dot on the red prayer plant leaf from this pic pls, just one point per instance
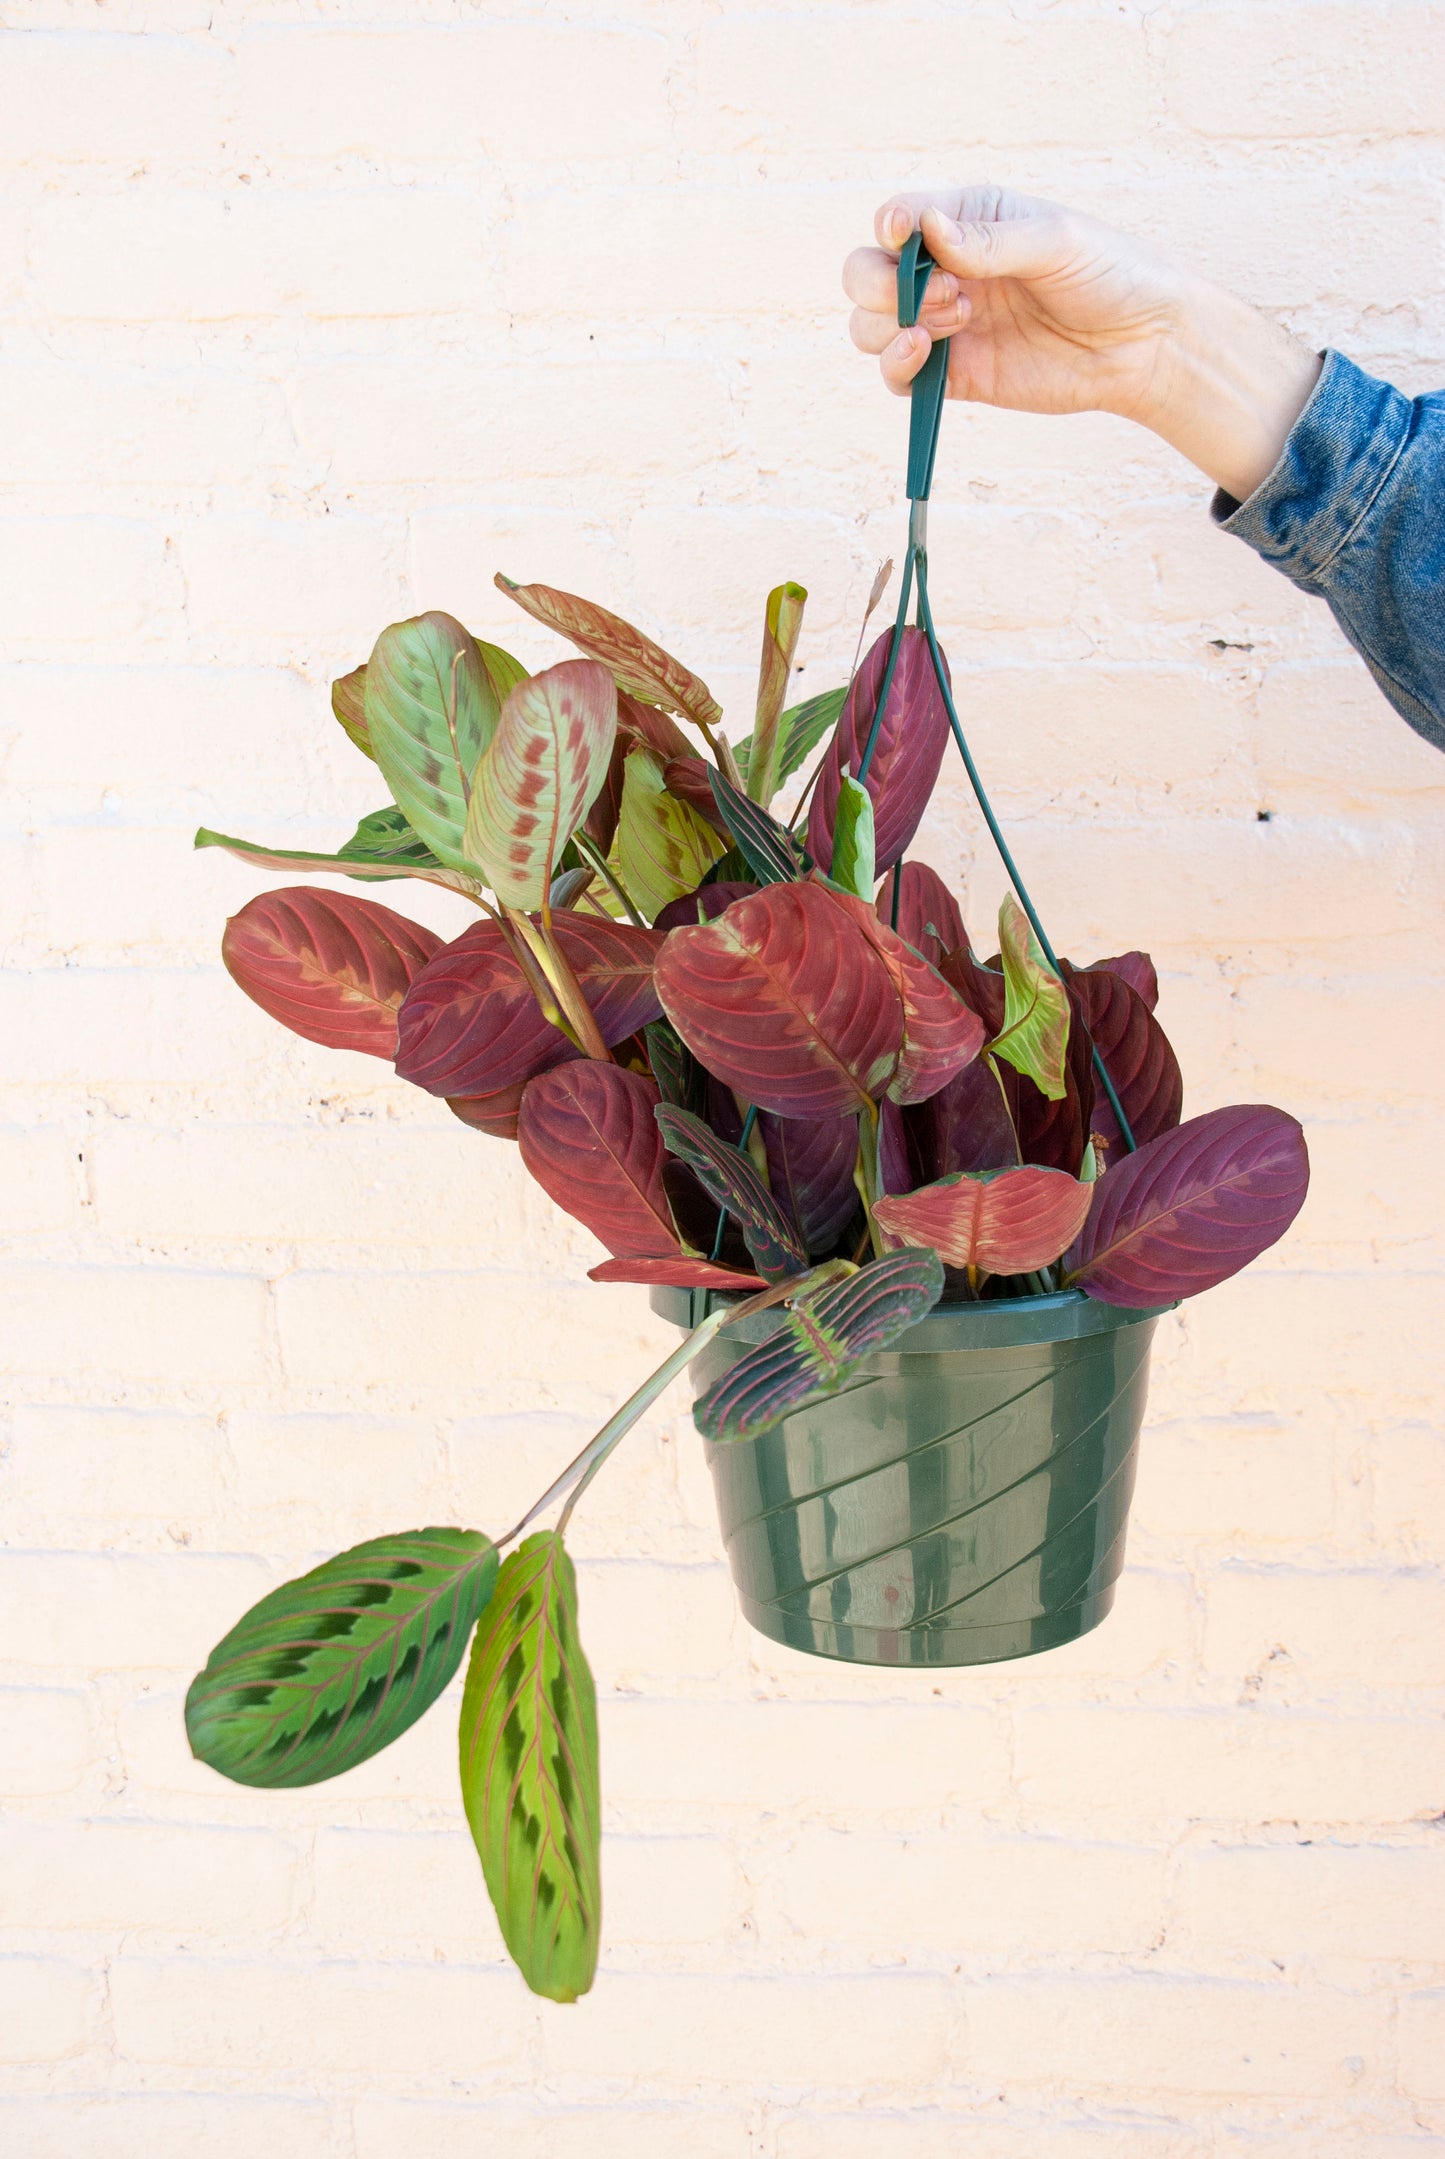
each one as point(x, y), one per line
point(679, 1273)
point(1136, 1055)
point(906, 757)
point(641, 667)
point(785, 999)
point(329, 966)
point(1005, 1221)
point(1192, 1207)
point(494, 1114)
point(941, 1033)
point(929, 917)
point(655, 730)
point(810, 1168)
point(1136, 968)
point(589, 1137)
point(471, 1024)
point(713, 900)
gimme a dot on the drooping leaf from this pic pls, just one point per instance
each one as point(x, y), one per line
point(1192, 1207)
point(528, 1747)
point(929, 917)
point(329, 1669)
point(1136, 1052)
point(820, 1341)
point(907, 756)
point(941, 1033)
point(1035, 1032)
point(853, 865)
point(764, 844)
point(588, 1135)
point(705, 905)
point(348, 702)
point(430, 713)
point(641, 667)
point(1004, 1221)
point(785, 999)
point(680, 1272)
point(328, 965)
point(471, 1023)
point(663, 849)
point(1136, 968)
point(382, 848)
point(800, 730)
point(965, 1126)
point(495, 1114)
point(544, 768)
point(810, 1168)
point(782, 623)
point(730, 1180)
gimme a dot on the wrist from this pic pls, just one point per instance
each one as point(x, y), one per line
point(1228, 386)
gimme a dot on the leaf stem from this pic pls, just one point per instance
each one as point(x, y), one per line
point(593, 856)
point(557, 968)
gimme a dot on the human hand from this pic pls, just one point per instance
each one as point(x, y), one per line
point(1051, 311)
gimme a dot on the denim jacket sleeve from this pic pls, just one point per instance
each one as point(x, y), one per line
point(1355, 511)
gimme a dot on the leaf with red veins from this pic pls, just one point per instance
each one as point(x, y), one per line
point(588, 1135)
point(329, 966)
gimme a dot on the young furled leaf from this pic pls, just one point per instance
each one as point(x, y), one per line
point(329, 1669)
point(906, 757)
point(1192, 1207)
point(328, 965)
point(1003, 1221)
point(786, 1000)
point(640, 667)
point(1136, 1054)
point(663, 849)
point(1035, 1033)
point(348, 702)
point(765, 845)
point(544, 768)
point(782, 622)
point(730, 1180)
point(929, 917)
point(430, 713)
point(471, 1023)
point(382, 849)
point(588, 1135)
point(811, 1161)
point(528, 1748)
point(800, 730)
point(819, 1342)
point(853, 865)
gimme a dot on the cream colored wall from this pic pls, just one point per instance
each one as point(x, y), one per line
point(316, 314)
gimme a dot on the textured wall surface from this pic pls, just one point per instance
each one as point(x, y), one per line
point(314, 313)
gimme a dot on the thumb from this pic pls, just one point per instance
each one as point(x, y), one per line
point(1024, 247)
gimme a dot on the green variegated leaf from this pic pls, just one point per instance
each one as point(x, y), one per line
point(348, 702)
point(853, 840)
point(663, 848)
point(1035, 1033)
point(331, 1668)
point(383, 846)
point(800, 730)
point(502, 671)
point(529, 1771)
point(431, 712)
point(544, 767)
point(825, 1333)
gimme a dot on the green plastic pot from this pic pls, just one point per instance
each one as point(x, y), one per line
point(964, 1499)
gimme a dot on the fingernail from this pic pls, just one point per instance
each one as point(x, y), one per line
point(904, 344)
point(947, 229)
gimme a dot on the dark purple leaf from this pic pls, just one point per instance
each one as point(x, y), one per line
point(589, 1137)
point(929, 917)
point(689, 779)
point(1136, 968)
point(819, 1342)
point(810, 1167)
point(494, 1114)
point(1192, 1207)
point(728, 1177)
point(965, 1126)
point(1136, 1054)
point(895, 1164)
point(1054, 1134)
point(697, 1217)
point(712, 900)
point(906, 758)
point(982, 988)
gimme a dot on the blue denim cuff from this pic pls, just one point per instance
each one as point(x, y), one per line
point(1336, 460)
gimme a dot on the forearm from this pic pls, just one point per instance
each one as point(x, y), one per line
point(1227, 388)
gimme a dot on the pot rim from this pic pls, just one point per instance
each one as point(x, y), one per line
point(1063, 1316)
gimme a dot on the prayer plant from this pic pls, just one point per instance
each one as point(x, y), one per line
point(746, 1066)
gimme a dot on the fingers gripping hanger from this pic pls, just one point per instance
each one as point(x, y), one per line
point(915, 267)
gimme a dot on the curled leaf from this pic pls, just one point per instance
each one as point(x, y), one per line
point(348, 702)
point(1035, 1032)
point(430, 713)
point(853, 865)
point(640, 667)
point(328, 965)
point(1135, 968)
point(800, 730)
point(1005, 1221)
point(782, 623)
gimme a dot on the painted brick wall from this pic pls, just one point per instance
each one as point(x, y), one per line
point(316, 312)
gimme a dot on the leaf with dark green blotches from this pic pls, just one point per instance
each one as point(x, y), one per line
point(765, 845)
point(728, 1177)
point(529, 1771)
point(329, 1669)
point(431, 711)
point(822, 1338)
